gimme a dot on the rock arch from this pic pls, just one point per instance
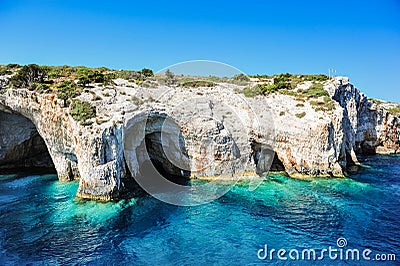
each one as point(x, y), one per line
point(21, 146)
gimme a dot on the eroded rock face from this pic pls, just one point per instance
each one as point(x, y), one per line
point(369, 127)
point(20, 144)
point(248, 138)
point(93, 154)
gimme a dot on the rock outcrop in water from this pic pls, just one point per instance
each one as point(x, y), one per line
point(291, 135)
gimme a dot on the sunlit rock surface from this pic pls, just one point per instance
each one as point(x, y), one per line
point(247, 138)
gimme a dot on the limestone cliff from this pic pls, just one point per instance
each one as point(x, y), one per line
point(290, 135)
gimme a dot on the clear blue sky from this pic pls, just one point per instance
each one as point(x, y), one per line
point(360, 39)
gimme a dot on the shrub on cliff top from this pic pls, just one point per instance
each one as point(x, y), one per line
point(197, 84)
point(82, 111)
point(395, 110)
point(301, 115)
point(265, 89)
point(315, 91)
point(250, 92)
point(68, 89)
point(28, 74)
point(147, 72)
point(130, 75)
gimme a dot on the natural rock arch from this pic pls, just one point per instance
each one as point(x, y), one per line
point(21, 146)
point(154, 145)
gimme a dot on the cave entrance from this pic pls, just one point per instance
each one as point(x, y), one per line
point(161, 159)
point(22, 149)
point(265, 159)
point(155, 152)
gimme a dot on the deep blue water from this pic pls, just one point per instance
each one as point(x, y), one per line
point(42, 223)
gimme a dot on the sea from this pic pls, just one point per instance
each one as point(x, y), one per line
point(319, 221)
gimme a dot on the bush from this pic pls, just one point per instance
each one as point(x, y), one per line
point(240, 77)
point(136, 100)
point(326, 105)
point(250, 92)
point(97, 98)
point(82, 111)
point(128, 74)
point(281, 78)
point(301, 115)
point(54, 72)
point(68, 90)
point(147, 72)
point(8, 69)
point(318, 77)
point(87, 75)
point(28, 74)
point(395, 110)
point(375, 101)
point(39, 87)
point(197, 84)
point(315, 91)
point(5, 71)
point(83, 81)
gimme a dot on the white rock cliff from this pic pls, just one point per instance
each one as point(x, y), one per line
point(220, 135)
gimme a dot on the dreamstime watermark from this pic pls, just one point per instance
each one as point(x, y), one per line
point(340, 252)
point(196, 130)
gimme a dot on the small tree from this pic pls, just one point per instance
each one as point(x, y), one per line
point(27, 75)
point(241, 77)
point(170, 77)
point(147, 72)
point(83, 81)
point(169, 74)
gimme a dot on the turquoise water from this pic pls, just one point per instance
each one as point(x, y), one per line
point(42, 223)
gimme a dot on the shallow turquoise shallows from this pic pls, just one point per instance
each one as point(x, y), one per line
point(42, 223)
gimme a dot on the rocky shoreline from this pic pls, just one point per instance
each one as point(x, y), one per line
point(291, 135)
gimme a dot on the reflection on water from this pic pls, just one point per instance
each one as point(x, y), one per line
point(42, 222)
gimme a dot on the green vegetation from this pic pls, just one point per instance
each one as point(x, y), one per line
point(287, 77)
point(284, 87)
point(395, 110)
point(265, 89)
point(128, 75)
point(375, 101)
point(315, 91)
point(301, 115)
point(241, 77)
point(326, 105)
point(82, 112)
point(169, 74)
point(147, 72)
point(27, 75)
point(96, 98)
point(170, 77)
point(54, 72)
point(136, 100)
point(197, 84)
point(68, 89)
point(286, 83)
point(8, 69)
point(250, 92)
point(282, 113)
point(39, 87)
